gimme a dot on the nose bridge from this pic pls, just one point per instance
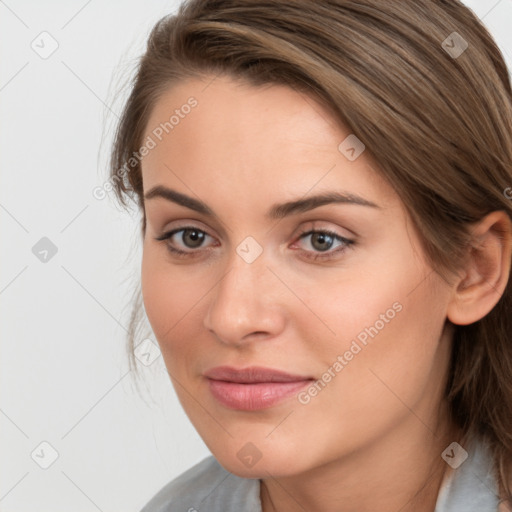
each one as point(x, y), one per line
point(242, 300)
point(242, 288)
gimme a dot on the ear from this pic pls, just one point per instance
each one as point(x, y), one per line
point(486, 271)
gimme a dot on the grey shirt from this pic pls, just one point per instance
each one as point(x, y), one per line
point(208, 487)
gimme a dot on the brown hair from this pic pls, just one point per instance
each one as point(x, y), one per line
point(438, 123)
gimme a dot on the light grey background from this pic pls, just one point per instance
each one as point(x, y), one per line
point(64, 375)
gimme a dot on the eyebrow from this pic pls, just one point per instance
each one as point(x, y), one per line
point(277, 211)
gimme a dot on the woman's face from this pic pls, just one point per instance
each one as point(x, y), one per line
point(356, 310)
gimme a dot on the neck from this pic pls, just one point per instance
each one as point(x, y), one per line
point(404, 471)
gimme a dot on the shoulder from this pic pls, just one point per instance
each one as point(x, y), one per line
point(471, 484)
point(207, 486)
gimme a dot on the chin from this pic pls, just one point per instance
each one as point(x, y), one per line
point(262, 469)
point(250, 462)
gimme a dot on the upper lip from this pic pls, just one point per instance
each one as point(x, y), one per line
point(252, 374)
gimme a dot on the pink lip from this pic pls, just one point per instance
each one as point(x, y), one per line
point(254, 388)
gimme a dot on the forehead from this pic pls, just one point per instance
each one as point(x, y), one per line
point(232, 108)
point(238, 133)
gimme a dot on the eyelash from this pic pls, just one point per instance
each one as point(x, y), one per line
point(320, 256)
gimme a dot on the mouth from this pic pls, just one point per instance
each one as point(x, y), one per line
point(253, 388)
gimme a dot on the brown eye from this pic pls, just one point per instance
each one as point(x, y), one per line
point(192, 238)
point(321, 241)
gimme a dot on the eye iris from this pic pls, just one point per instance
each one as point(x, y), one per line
point(196, 236)
point(321, 238)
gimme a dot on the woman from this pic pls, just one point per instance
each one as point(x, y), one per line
point(326, 222)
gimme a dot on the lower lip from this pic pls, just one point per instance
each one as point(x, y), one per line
point(253, 397)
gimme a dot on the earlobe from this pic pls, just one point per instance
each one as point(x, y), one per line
point(486, 272)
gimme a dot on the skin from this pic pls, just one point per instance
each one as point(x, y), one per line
point(381, 423)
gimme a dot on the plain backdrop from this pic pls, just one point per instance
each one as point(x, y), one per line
point(76, 432)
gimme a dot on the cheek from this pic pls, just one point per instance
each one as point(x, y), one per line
point(172, 301)
point(156, 300)
point(386, 323)
point(160, 295)
point(388, 335)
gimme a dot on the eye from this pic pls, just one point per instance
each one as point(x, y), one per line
point(322, 241)
point(191, 238)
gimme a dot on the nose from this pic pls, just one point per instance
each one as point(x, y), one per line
point(246, 304)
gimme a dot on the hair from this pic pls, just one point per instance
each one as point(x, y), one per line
point(438, 124)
